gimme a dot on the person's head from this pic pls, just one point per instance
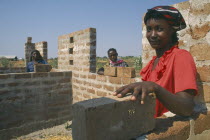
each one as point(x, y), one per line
point(35, 55)
point(162, 24)
point(112, 54)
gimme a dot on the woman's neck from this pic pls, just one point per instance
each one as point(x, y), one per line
point(161, 51)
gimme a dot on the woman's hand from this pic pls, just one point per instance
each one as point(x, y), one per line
point(139, 90)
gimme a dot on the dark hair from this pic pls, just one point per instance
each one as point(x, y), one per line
point(39, 57)
point(111, 49)
point(153, 14)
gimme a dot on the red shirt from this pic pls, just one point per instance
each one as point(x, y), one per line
point(175, 71)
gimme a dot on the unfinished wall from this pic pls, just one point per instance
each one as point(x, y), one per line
point(12, 70)
point(77, 51)
point(31, 101)
point(40, 46)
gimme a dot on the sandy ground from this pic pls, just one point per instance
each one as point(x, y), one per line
point(60, 132)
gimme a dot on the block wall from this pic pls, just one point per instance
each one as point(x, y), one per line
point(195, 39)
point(32, 101)
point(77, 51)
point(40, 46)
point(12, 70)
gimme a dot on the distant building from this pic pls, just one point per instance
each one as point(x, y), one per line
point(10, 57)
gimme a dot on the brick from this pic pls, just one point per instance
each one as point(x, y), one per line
point(39, 74)
point(51, 82)
point(122, 119)
point(82, 88)
point(97, 85)
point(91, 90)
point(65, 92)
point(206, 92)
point(200, 51)
point(13, 84)
point(22, 75)
point(204, 73)
point(83, 76)
point(4, 76)
point(172, 128)
point(101, 93)
point(126, 81)
point(101, 78)
point(109, 88)
point(86, 96)
point(68, 73)
point(126, 72)
point(56, 74)
point(4, 92)
point(110, 71)
point(202, 123)
point(91, 76)
point(42, 67)
point(115, 80)
point(14, 98)
point(64, 80)
point(200, 31)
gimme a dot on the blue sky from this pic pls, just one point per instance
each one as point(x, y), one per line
point(118, 23)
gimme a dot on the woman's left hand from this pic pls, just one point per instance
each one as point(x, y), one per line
point(139, 90)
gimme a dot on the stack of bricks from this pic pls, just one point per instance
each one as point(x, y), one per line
point(195, 39)
point(127, 72)
point(12, 70)
point(31, 101)
point(77, 51)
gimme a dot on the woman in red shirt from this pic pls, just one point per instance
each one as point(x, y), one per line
point(171, 74)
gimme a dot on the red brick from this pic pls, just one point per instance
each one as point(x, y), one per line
point(82, 88)
point(91, 91)
point(109, 88)
point(204, 73)
point(115, 80)
point(110, 71)
point(40, 74)
point(126, 72)
point(56, 74)
point(202, 123)
point(101, 93)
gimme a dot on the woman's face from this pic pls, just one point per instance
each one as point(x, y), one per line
point(159, 33)
point(34, 55)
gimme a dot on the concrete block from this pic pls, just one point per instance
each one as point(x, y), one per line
point(111, 118)
point(126, 72)
point(42, 67)
point(110, 71)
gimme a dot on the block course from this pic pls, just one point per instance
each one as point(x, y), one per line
point(27, 98)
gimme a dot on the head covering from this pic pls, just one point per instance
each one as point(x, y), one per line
point(172, 15)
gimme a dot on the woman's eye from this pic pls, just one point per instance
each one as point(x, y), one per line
point(148, 29)
point(160, 29)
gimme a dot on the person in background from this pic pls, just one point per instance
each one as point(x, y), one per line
point(113, 61)
point(170, 76)
point(35, 58)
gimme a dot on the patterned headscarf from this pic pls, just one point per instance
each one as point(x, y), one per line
point(172, 15)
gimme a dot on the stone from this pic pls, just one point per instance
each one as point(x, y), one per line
point(42, 68)
point(112, 118)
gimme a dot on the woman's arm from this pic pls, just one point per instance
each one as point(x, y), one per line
point(180, 103)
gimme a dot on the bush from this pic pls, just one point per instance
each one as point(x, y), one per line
point(4, 62)
point(53, 62)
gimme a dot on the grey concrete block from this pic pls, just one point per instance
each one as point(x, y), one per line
point(111, 118)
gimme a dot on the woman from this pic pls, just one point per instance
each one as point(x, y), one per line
point(35, 58)
point(171, 74)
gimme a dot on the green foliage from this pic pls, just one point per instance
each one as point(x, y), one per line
point(53, 62)
point(4, 62)
point(138, 63)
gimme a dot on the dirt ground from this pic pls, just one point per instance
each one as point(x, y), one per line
point(60, 132)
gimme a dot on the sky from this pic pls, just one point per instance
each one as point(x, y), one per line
point(118, 23)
